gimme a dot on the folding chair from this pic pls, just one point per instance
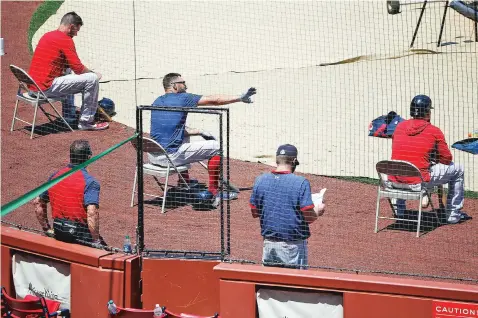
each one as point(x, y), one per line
point(385, 189)
point(151, 146)
point(31, 307)
point(23, 95)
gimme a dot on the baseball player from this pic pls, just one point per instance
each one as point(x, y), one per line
point(54, 56)
point(416, 140)
point(169, 130)
point(74, 202)
point(283, 203)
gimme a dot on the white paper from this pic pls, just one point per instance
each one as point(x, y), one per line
point(317, 198)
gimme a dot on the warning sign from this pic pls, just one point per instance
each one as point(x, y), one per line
point(446, 309)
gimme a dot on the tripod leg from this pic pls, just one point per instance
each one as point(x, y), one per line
point(442, 26)
point(418, 23)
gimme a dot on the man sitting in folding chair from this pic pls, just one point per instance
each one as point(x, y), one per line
point(415, 140)
point(54, 56)
point(169, 130)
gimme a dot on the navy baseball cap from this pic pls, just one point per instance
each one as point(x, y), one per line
point(287, 150)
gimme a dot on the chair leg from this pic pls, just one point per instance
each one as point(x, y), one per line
point(419, 215)
point(60, 116)
point(433, 208)
point(134, 186)
point(165, 190)
point(14, 116)
point(377, 210)
point(34, 120)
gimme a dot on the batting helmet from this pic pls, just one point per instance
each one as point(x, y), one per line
point(420, 106)
point(108, 106)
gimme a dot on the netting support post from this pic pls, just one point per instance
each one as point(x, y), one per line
point(221, 184)
point(442, 26)
point(139, 167)
point(418, 23)
point(228, 176)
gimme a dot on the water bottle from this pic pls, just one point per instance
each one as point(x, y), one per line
point(127, 245)
point(158, 311)
point(112, 307)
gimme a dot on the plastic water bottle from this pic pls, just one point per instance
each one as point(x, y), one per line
point(158, 311)
point(127, 245)
point(112, 307)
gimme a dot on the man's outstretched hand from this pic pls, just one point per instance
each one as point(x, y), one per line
point(246, 97)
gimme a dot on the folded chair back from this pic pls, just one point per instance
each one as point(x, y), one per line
point(24, 79)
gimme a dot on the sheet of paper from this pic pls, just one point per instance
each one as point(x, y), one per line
point(317, 198)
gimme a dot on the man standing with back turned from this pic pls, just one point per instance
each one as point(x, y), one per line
point(283, 202)
point(54, 57)
point(168, 128)
point(419, 142)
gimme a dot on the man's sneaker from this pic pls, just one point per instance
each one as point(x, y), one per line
point(225, 196)
point(465, 217)
point(97, 126)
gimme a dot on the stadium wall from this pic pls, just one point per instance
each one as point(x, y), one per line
point(205, 287)
point(280, 48)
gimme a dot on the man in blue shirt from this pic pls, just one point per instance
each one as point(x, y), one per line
point(283, 203)
point(169, 129)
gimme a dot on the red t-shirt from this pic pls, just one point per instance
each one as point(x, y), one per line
point(54, 53)
point(416, 141)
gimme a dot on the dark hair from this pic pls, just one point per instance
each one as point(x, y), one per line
point(79, 151)
point(287, 160)
point(71, 18)
point(169, 79)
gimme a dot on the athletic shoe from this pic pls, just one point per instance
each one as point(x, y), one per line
point(225, 196)
point(97, 126)
point(465, 217)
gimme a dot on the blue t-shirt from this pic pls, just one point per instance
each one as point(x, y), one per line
point(279, 198)
point(167, 128)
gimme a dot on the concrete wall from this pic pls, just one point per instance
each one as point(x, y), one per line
point(277, 46)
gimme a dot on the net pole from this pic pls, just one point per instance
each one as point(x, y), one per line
point(221, 187)
point(139, 169)
point(228, 176)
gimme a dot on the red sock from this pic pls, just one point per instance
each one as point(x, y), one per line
point(185, 175)
point(213, 166)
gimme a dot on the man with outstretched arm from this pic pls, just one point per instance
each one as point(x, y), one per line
point(283, 203)
point(169, 129)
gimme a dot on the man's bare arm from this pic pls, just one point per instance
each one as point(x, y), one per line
point(41, 213)
point(311, 215)
point(254, 212)
point(93, 220)
point(218, 100)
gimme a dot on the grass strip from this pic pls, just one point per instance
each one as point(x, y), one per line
point(39, 17)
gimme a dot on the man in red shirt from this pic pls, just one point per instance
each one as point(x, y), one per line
point(419, 142)
point(54, 57)
point(74, 202)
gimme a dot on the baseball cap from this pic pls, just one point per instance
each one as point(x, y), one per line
point(287, 150)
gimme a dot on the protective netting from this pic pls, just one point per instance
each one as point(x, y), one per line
point(324, 70)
